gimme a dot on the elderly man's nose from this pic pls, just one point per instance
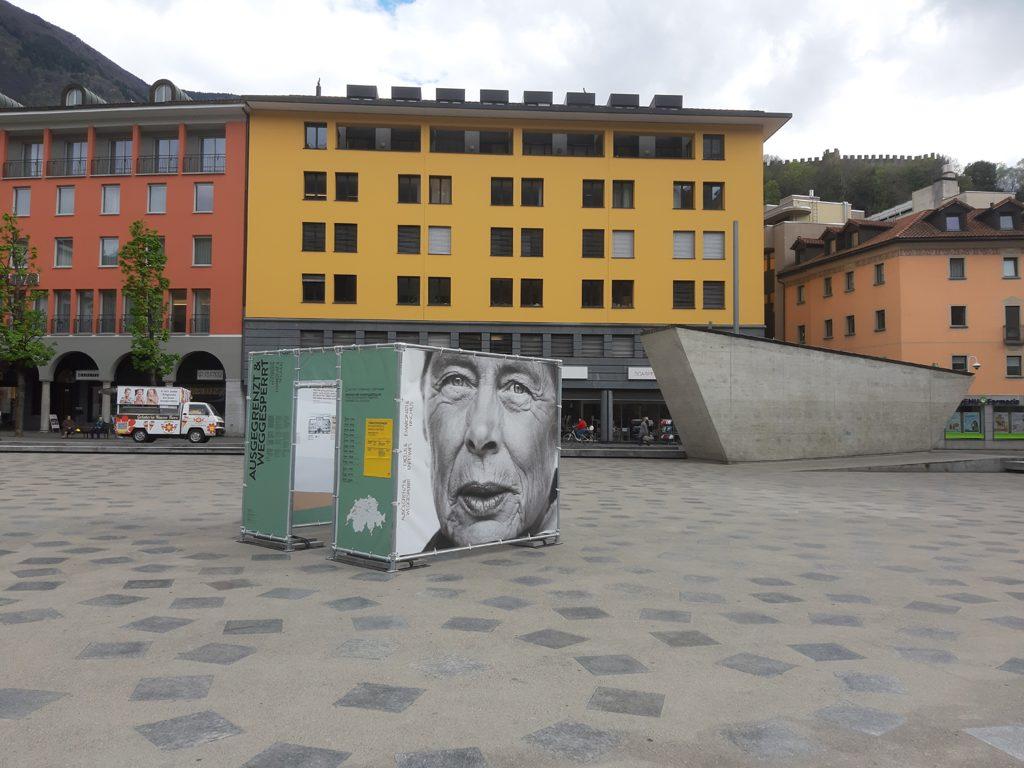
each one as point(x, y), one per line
point(482, 433)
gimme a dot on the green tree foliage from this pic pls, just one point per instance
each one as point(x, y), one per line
point(1011, 179)
point(142, 261)
point(22, 327)
point(980, 175)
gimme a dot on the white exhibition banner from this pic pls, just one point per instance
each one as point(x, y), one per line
point(162, 397)
point(316, 415)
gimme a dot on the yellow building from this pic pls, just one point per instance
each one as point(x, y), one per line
point(531, 228)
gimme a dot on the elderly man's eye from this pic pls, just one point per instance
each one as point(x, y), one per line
point(517, 393)
point(455, 383)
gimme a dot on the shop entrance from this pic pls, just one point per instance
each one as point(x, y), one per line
point(588, 408)
point(203, 374)
point(75, 390)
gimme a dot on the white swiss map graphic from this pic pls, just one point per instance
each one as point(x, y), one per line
point(365, 514)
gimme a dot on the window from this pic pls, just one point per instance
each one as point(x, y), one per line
point(471, 341)
point(501, 291)
point(682, 245)
point(408, 189)
point(1005, 221)
point(439, 240)
point(408, 238)
point(591, 345)
point(65, 201)
point(156, 198)
point(714, 196)
point(958, 316)
point(313, 288)
point(879, 319)
point(583, 144)
point(495, 142)
point(593, 243)
point(684, 294)
point(108, 251)
point(409, 291)
point(801, 334)
point(879, 274)
point(626, 145)
point(309, 339)
point(827, 287)
point(800, 298)
point(200, 310)
point(957, 268)
point(22, 201)
point(204, 198)
point(713, 247)
point(682, 195)
point(346, 238)
point(375, 337)
point(622, 244)
point(110, 199)
point(958, 363)
point(531, 292)
point(1011, 267)
point(344, 289)
point(848, 278)
point(501, 343)
point(622, 194)
point(680, 147)
point(851, 325)
point(314, 185)
point(538, 143)
point(714, 294)
point(439, 291)
point(501, 191)
point(593, 193)
point(1011, 321)
point(346, 187)
point(531, 242)
point(356, 137)
point(314, 236)
point(316, 135)
point(532, 193)
point(501, 241)
point(405, 139)
point(1013, 366)
point(441, 190)
point(442, 140)
point(531, 344)
point(202, 251)
point(828, 328)
point(622, 294)
point(593, 294)
point(952, 223)
point(714, 146)
point(63, 247)
point(561, 345)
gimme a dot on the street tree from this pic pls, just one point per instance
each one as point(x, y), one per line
point(22, 326)
point(142, 261)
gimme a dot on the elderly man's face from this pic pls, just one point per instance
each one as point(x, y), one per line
point(494, 431)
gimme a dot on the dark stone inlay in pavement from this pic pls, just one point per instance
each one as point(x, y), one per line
point(183, 688)
point(384, 698)
point(205, 556)
point(445, 577)
point(450, 666)
point(770, 581)
point(16, 703)
point(873, 722)
point(816, 576)
point(847, 598)
point(750, 617)
point(188, 730)
point(621, 701)
point(154, 568)
point(29, 616)
point(285, 755)
point(218, 653)
point(506, 602)
point(226, 584)
point(112, 560)
point(470, 624)
point(571, 594)
point(259, 556)
point(684, 638)
point(768, 740)
point(1014, 665)
point(931, 633)
point(532, 581)
point(968, 598)
point(158, 624)
point(469, 757)
point(364, 623)
point(924, 605)
point(29, 573)
point(288, 593)
point(253, 626)
point(752, 664)
point(42, 561)
point(148, 584)
point(865, 683)
point(351, 603)
point(1010, 622)
point(373, 576)
point(581, 612)
point(658, 614)
point(123, 650)
point(776, 597)
point(371, 648)
point(34, 586)
point(221, 570)
point(612, 664)
point(1007, 738)
point(440, 592)
point(188, 603)
point(551, 638)
point(927, 655)
point(574, 741)
point(836, 620)
point(702, 597)
point(113, 600)
point(826, 652)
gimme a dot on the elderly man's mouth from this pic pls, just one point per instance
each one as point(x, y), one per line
point(484, 499)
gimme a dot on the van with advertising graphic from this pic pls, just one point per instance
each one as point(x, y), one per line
point(146, 413)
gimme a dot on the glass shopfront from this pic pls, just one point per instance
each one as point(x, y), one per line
point(1008, 422)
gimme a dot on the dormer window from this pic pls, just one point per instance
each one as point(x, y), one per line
point(1005, 221)
point(163, 92)
point(952, 223)
point(73, 98)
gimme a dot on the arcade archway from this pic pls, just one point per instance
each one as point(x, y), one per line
point(75, 390)
point(203, 374)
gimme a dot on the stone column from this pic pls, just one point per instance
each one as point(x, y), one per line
point(44, 406)
point(234, 407)
point(607, 412)
point(105, 401)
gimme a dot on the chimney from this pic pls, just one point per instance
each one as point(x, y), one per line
point(318, 86)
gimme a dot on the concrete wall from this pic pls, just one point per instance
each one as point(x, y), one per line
point(736, 398)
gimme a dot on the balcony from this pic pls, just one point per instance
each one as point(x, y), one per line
point(83, 325)
point(205, 163)
point(112, 166)
point(75, 166)
point(150, 165)
point(60, 325)
point(106, 324)
point(1013, 335)
point(200, 324)
point(23, 169)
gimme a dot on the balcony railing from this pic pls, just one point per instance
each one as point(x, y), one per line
point(60, 325)
point(154, 164)
point(106, 324)
point(1013, 335)
point(112, 166)
point(200, 324)
point(75, 166)
point(23, 169)
point(204, 163)
point(83, 325)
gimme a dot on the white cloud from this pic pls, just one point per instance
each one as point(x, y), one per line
point(877, 76)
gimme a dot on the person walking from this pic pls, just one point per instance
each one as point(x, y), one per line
point(643, 432)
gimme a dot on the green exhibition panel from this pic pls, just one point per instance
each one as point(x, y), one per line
point(316, 420)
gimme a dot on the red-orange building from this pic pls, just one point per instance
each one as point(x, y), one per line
point(939, 287)
point(77, 175)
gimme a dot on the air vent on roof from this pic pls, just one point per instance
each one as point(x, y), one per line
point(164, 90)
point(667, 101)
point(538, 97)
point(75, 95)
point(576, 99)
point(490, 96)
point(406, 92)
point(624, 100)
point(361, 91)
point(450, 94)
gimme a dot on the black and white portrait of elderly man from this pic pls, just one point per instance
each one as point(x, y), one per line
point(492, 426)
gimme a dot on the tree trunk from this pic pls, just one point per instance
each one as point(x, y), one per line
point(19, 408)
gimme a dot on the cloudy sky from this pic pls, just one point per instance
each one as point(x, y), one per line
point(868, 77)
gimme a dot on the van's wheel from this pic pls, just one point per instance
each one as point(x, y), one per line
point(196, 436)
point(140, 436)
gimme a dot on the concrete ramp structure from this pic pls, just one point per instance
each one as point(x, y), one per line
point(742, 398)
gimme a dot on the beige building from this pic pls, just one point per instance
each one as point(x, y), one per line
point(940, 191)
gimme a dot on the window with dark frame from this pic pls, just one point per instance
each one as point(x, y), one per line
point(441, 190)
point(848, 281)
point(561, 345)
point(531, 344)
point(714, 196)
point(958, 316)
point(495, 142)
point(800, 294)
point(593, 294)
point(408, 238)
point(714, 146)
point(827, 287)
point(501, 241)
point(682, 195)
point(714, 294)
point(958, 363)
point(471, 341)
point(957, 270)
point(501, 191)
point(313, 289)
point(1013, 366)
point(678, 147)
point(344, 289)
point(801, 334)
point(593, 243)
point(408, 188)
point(584, 144)
point(314, 236)
point(314, 185)
point(361, 137)
point(879, 319)
point(316, 135)
point(446, 140)
point(501, 291)
point(622, 294)
point(409, 290)
point(684, 294)
point(622, 194)
point(405, 139)
point(626, 144)
point(851, 325)
point(346, 239)
point(828, 328)
point(536, 143)
point(439, 291)
point(531, 292)
point(501, 343)
point(532, 193)
point(879, 274)
point(593, 193)
point(309, 339)
point(346, 187)
point(531, 242)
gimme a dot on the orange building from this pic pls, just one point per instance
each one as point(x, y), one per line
point(939, 287)
point(76, 176)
